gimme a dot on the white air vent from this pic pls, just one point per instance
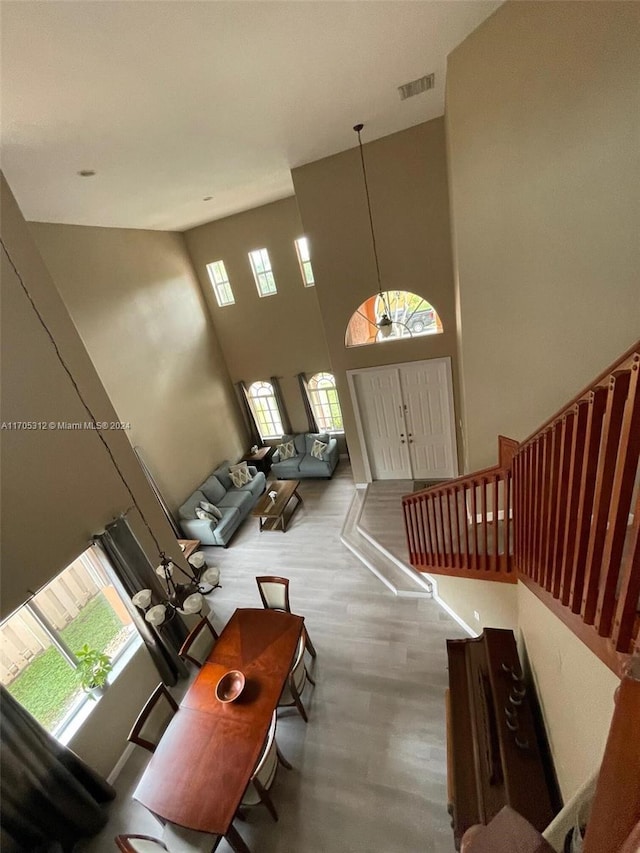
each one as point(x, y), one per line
point(415, 87)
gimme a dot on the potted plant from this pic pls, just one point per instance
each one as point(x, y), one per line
point(93, 669)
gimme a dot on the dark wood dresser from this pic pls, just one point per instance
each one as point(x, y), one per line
point(496, 755)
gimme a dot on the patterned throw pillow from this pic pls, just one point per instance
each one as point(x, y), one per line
point(318, 449)
point(205, 516)
point(212, 509)
point(240, 477)
point(286, 450)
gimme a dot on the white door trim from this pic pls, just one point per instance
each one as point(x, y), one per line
point(351, 374)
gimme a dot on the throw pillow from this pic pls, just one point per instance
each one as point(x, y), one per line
point(240, 477)
point(286, 450)
point(318, 449)
point(212, 509)
point(206, 516)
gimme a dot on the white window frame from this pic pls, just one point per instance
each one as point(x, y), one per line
point(264, 278)
point(302, 250)
point(82, 707)
point(220, 283)
point(262, 400)
point(321, 404)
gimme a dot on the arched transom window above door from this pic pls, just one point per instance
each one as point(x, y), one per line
point(391, 315)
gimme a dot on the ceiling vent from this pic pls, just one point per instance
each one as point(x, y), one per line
point(415, 87)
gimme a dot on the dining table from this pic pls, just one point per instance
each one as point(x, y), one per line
point(201, 767)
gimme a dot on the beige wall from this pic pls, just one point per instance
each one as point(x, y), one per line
point(542, 111)
point(575, 690)
point(58, 486)
point(495, 603)
point(408, 186)
point(279, 335)
point(137, 305)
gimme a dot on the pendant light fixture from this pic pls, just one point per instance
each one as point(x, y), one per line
point(384, 323)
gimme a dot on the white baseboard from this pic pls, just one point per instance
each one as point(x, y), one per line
point(120, 763)
point(470, 631)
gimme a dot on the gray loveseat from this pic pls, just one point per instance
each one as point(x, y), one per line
point(234, 504)
point(303, 464)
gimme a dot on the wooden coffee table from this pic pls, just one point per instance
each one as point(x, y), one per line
point(274, 514)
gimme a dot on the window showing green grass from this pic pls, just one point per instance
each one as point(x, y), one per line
point(80, 606)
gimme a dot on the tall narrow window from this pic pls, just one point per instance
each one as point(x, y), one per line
point(265, 409)
point(302, 249)
point(261, 266)
point(39, 642)
point(220, 282)
point(323, 396)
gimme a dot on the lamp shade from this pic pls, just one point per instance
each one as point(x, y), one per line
point(165, 570)
point(192, 603)
point(156, 614)
point(197, 560)
point(142, 599)
point(385, 326)
point(211, 575)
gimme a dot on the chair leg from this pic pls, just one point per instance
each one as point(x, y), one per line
point(266, 799)
point(309, 644)
point(300, 707)
point(282, 759)
point(236, 841)
point(309, 677)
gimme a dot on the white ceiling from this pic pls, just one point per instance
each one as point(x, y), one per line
point(173, 101)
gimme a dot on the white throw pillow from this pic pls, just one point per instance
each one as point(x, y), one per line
point(286, 450)
point(205, 516)
point(212, 509)
point(240, 477)
point(318, 449)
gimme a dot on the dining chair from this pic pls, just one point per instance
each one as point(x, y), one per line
point(274, 592)
point(296, 682)
point(264, 773)
point(177, 839)
point(153, 719)
point(198, 644)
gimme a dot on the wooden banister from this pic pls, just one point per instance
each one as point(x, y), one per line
point(560, 512)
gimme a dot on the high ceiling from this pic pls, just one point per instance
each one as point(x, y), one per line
point(172, 102)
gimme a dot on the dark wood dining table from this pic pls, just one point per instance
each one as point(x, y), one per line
point(200, 769)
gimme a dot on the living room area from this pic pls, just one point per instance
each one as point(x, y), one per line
point(506, 202)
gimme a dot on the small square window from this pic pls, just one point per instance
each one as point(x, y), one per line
point(220, 282)
point(302, 250)
point(261, 266)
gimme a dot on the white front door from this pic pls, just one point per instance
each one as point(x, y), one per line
point(406, 420)
point(382, 417)
point(427, 395)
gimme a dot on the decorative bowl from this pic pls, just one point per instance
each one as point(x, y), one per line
point(230, 686)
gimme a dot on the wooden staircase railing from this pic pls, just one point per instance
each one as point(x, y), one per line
point(560, 512)
point(464, 527)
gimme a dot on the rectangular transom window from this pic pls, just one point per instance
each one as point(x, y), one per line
point(261, 266)
point(220, 282)
point(302, 250)
point(39, 642)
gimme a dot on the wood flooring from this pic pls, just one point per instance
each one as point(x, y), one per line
point(370, 766)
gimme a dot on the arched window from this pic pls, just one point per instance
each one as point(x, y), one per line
point(410, 316)
point(323, 397)
point(265, 409)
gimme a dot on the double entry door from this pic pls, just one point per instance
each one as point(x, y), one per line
point(406, 420)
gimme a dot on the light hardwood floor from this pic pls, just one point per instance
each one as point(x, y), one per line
point(370, 767)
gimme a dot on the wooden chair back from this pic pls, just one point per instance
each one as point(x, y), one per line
point(198, 644)
point(274, 592)
point(153, 719)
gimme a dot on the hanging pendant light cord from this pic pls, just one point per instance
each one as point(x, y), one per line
point(358, 128)
point(81, 398)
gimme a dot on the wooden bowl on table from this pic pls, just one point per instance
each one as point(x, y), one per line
point(230, 686)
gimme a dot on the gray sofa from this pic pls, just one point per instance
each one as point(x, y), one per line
point(234, 504)
point(303, 464)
